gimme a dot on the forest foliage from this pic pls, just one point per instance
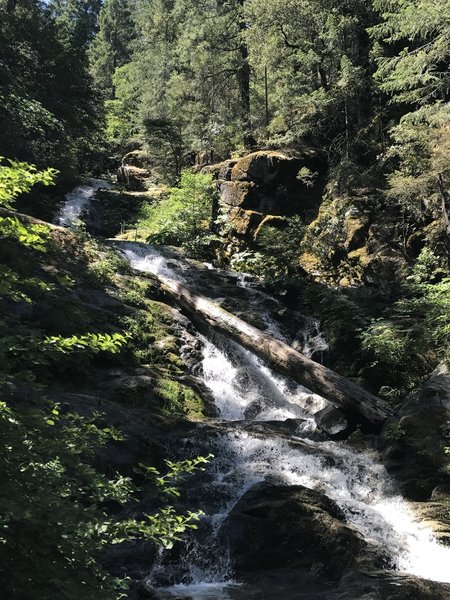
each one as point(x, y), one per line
point(364, 84)
point(56, 505)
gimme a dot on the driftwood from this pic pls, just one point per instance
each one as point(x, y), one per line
point(343, 393)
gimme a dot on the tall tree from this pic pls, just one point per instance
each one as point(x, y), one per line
point(316, 54)
point(48, 111)
point(414, 69)
point(112, 46)
point(412, 50)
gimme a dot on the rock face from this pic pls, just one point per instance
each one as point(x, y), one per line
point(134, 170)
point(415, 441)
point(278, 527)
point(262, 184)
point(348, 244)
point(265, 168)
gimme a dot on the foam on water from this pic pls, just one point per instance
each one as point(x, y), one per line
point(358, 484)
point(200, 591)
point(149, 260)
point(245, 389)
point(241, 382)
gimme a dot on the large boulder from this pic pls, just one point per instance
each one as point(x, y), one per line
point(245, 222)
point(333, 422)
point(278, 527)
point(236, 194)
point(251, 182)
point(137, 158)
point(264, 183)
point(415, 441)
point(265, 168)
point(359, 585)
point(134, 170)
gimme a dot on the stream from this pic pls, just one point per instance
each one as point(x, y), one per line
point(245, 389)
point(253, 403)
point(77, 200)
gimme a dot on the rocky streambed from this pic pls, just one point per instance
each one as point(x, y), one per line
point(288, 509)
point(298, 503)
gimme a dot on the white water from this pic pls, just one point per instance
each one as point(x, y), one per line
point(245, 389)
point(76, 200)
point(241, 383)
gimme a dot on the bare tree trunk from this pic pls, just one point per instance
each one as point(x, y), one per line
point(243, 76)
point(445, 204)
point(6, 212)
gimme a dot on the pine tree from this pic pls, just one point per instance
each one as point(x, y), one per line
point(316, 56)
point(112, 46)
point(48, 111)
point(414, 69)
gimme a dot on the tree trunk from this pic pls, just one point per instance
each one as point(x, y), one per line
point(343, 393)
point(243, 76)
point(11, 6)
point(445, 204)
point(6, 212)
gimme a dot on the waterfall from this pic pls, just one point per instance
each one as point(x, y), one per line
point(245, 389)
point(76, 200)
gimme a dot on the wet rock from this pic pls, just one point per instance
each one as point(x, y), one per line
point(436, 516)
point(130, 559)
point(253, 410)
point(356, 585)
point(441, 493)
point(145, 590)
point(388, 585)
point(275, 527)
point(287, 428)
point(333, 422)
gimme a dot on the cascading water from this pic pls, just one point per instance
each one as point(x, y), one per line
point(76, 200)
point(246, 390)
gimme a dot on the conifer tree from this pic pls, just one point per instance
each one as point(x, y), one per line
point(415, 67)
point(112, 45)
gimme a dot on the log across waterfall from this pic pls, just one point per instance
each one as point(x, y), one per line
point(341, 392)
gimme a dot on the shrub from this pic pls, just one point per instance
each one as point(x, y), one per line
point(55, 524)
point(183, 218)
point(278, 251)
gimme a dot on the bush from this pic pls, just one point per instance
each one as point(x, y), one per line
point(278, 251)
point(55, 524)
point(183, 218)
point(387, 343)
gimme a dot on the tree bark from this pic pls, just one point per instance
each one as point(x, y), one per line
point(243, 76)
point(11, 6)
point(445, 204)
point(343, 393)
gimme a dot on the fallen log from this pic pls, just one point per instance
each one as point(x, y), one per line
point(357, 402)
point(23, 218)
